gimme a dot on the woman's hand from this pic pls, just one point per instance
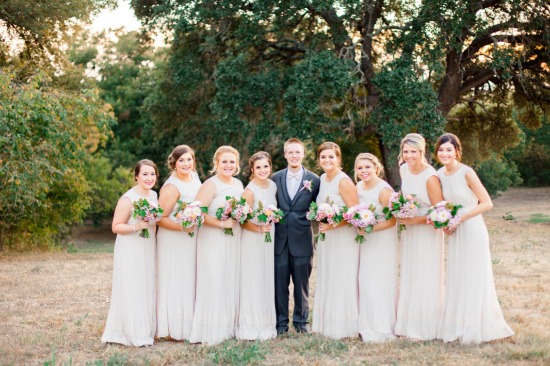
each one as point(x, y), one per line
point(189, 229)
point(323, 227)
point(264, 228)
point(228, 224)
point(407, 221)
point(140, 225)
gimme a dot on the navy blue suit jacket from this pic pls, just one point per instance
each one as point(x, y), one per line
point(296, 229)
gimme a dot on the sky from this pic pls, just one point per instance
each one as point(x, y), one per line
point(122, 16)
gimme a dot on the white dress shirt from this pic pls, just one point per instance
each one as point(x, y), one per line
point(293, 182)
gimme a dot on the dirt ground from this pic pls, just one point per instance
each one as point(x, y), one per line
point(53, 308)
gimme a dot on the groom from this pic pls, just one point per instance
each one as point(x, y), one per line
point(296, 189)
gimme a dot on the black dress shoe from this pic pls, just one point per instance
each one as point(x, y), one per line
point(281, 331)
point(301, 328)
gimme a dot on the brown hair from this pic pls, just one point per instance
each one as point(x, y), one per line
point(177, 153)
point(294, 141)
point(225, 149)
point(416, 141)
point(139, 164)
point(328, 145)
point(373, 159)
point(258, 156)
point(454, 140)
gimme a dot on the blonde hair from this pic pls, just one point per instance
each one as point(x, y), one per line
point(222, 150)
point(177, 153)
point(373, 159)
point(258, 156)
point(416, 141)
point(329, 145)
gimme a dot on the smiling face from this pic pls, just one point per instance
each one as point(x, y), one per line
point(261, 169)
point(294, 154)
point(147, 177)
point(446, 153)
point(185, 164)
point(227, 164)
point(328, 160)
point(411, 156)
point(366, 170)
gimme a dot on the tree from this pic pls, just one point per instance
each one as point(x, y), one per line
point(46, 139)
point(41, 25)
point(127, 68)
point(345, 69)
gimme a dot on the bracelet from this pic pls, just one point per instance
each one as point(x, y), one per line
point(222, 224)
point(134, 227)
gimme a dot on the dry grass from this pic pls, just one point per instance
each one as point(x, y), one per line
point(58, 301)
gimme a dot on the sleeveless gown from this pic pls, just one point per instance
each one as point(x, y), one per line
point(218, 263)
point(257, 319)
point(378, 283)
point(422, 289)
point(335, 310)
point(176, 269)
point(131, 319)
point(472, 312)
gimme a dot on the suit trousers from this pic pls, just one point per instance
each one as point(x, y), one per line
point(299, 268)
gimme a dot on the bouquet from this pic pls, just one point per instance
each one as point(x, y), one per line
point(402, 207)
point(267, 215)
point(146, 211)
point(361, 216)
point(190, 214)
point(236, 209)
point(327, 213)
point(444, 215)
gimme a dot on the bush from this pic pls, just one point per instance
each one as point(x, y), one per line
point(498, 175)
point(106, 187)
point(46, 140)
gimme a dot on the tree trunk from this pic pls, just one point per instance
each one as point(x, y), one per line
point(391, 166)
point(450, 86)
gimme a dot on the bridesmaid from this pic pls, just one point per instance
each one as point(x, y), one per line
point(422, 289)
point(335, 311)
point(176, 250)
point(131, 319)
point(257, 318)
point(472, 312)
point(218, 255)
point(378, 256)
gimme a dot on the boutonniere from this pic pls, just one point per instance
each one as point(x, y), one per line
point(307, 184)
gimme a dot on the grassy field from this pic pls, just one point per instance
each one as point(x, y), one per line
point(53, 308)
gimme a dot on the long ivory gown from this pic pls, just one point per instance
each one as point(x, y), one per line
point(131, 319)
point(176, 270)
point(472, 312)
point(378, 283)
point(335, 310)
point(422, 289)
point(218, 264)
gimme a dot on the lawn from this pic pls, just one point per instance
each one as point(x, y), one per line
point(53, 308)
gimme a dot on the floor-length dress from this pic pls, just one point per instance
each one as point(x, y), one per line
point(218, 264)
point(472, 312)
point(335, 310)
point(131, 319)
point(257, 319)
point(176, 269)
point(422, 289)
point(378, 283)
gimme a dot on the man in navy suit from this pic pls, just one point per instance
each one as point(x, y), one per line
point(296, 189)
